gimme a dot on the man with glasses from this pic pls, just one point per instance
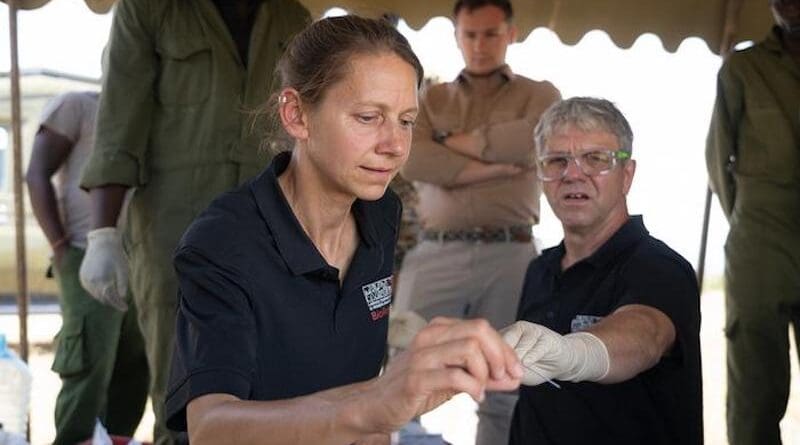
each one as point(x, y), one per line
point(472, 163)
point(753, 158)
point(610, 318)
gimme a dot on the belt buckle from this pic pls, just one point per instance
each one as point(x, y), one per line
point(477, 234)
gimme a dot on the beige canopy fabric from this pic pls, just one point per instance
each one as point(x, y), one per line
point(624, 20)
point(29, 4)
point(98, 6)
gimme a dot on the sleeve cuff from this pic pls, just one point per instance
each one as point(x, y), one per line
point(483, 141)
point(104, 169)
point(212, 381)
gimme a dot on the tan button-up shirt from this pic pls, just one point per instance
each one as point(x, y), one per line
point(504, 108)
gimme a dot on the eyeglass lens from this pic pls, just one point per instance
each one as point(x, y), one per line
point(591, 163)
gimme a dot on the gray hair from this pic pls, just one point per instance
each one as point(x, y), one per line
point(587, 114)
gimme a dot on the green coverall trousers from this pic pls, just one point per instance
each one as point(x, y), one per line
point(762, 275)
point(100, 357)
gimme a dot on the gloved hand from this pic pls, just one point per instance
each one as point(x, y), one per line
point(403, 327)
point(104, 270)
point(546, 354)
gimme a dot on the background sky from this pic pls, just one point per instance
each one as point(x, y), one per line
point(667, 97)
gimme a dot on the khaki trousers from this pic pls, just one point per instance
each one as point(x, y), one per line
point(469, 280)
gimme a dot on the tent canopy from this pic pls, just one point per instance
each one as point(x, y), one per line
point(624, 20)
point(721, 23)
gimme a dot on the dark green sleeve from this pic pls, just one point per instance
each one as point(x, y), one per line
point(722, 137)
point(127, 101)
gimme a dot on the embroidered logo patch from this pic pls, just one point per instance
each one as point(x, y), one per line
point(583, 322)
point(378, 295)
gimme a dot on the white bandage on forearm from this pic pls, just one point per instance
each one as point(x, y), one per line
point(590, 360)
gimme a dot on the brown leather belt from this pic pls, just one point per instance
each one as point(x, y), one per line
point(516, 234)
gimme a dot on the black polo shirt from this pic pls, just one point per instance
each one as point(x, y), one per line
point(261, 314)
point(662, 405)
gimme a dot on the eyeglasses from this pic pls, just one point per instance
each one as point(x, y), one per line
point(553, 167)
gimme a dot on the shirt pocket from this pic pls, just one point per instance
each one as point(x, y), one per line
point(767, 148)
point(185, 77)
point(71, 354)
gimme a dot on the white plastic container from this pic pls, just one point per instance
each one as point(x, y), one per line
point(15, 390)
point(11, 439)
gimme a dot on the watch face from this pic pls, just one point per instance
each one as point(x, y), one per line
point(440, 135)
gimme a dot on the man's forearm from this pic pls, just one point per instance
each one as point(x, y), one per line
point(636, 337)
point(469, 144)
point(50, 151)
point(106, 204)
point(45, 208)
point(476, 172)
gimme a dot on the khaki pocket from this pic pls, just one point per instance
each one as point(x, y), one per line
point(71, 355)
point(767, 145)
point(185, 77)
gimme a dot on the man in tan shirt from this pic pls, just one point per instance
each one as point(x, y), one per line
point(473, 164)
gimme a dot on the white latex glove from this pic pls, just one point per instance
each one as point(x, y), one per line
point(403, 327)
point(104, 270)
point(546, 354)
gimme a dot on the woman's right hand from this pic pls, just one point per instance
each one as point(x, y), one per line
point(447, 357)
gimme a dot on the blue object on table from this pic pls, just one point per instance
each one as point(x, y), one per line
point(415, 434)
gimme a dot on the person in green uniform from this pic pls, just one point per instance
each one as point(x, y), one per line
point(99, 352)
point(753, 157)
point(173, 123)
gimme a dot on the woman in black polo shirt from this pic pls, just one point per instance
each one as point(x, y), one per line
point(285, 282)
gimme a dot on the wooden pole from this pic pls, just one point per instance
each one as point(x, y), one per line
point(19, 201)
